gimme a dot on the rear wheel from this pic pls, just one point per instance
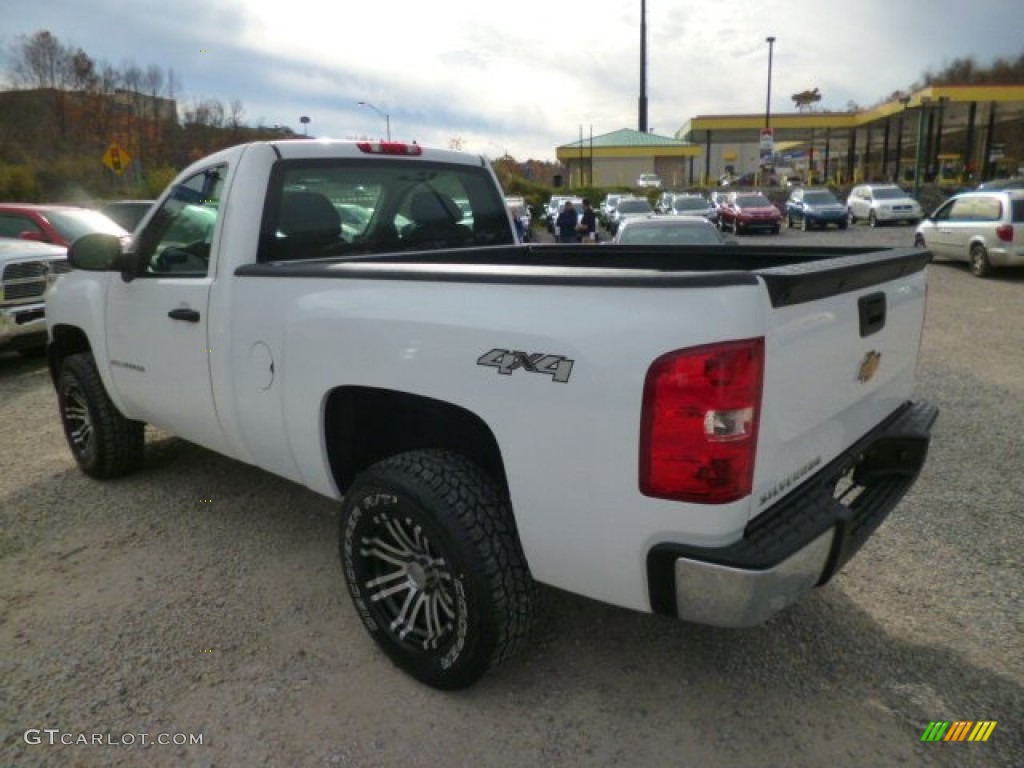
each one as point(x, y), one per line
point(980, 265)
point(434, 566)
point(919, 241)
point(104, 443)
point(850, 217)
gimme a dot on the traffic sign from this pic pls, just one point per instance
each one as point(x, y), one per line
point(116, 158)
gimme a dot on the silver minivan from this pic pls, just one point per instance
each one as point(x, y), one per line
point(985, 229)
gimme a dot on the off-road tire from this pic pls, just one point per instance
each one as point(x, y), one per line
point(434, 566)
point(104, 443)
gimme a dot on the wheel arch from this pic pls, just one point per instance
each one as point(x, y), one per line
point(365, 425)
point(65, 340)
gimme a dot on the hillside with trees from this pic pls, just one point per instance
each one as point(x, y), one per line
point(64, 109)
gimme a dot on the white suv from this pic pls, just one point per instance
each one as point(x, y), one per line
point(881, 203)
point(651, 180)
point(985, 229)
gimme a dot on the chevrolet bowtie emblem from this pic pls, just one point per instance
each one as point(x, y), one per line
point(869, 365)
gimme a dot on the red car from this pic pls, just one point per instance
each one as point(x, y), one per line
point(745, 211)
point(57, 224)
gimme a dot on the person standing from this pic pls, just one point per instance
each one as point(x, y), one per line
point(588, 222)
point(566, 223)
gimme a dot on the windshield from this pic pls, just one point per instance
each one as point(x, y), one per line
point(889, 193)
point(73, 224)
point(689, 204)
point(820, 198)
point(670, 233)
point(634, 206)
point(752, 201)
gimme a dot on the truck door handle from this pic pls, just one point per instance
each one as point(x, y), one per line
point(872, 313)
point(188, 315)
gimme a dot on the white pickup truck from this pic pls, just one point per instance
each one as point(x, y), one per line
point(703, 433)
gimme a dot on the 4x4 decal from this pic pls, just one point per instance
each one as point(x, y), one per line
point(557, 367)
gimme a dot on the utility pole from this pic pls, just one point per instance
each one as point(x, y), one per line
point(642, 122)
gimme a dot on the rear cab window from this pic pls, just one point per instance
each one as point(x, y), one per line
point(325, 208)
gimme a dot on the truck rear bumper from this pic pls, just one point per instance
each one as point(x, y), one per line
point(800, 542)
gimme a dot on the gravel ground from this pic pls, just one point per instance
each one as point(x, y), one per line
point(203, 597)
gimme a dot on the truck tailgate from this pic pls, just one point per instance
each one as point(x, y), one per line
point(840, 354)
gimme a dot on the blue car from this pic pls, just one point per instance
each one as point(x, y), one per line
point(814, 207)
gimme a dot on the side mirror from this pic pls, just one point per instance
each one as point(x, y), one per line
point(102, 253)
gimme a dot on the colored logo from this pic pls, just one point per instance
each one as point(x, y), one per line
point(960, 730)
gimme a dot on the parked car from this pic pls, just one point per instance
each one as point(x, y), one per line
point(814, 207)
point(694, 205)
point(746, 211)
point(882, 203)
point(27, 270)
point(520, 212)
point(745, 180)
point(1014, 183)
point(126, 213)
point(669, 230)
point(55, 224)
point(649, 180)
point(985, 229)
point(626, 209)
point(664, 202)
point(607, 207)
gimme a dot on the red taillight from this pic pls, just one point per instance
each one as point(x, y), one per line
point(1005, 233)
point(698, 430)
point(389, 148)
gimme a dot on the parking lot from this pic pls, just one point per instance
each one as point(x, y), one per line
point(203, 596)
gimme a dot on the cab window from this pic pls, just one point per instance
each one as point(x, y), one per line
point(177, 240)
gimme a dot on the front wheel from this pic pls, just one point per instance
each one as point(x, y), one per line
point(104, 443)
point(804, 226)
point(872, 219)
point(434, 566)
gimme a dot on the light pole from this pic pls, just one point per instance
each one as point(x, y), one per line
point(767, 143)
point(385, 115)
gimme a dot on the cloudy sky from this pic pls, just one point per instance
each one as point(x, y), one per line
point(520, 77)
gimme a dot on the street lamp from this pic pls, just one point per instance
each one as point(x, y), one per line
point(767, 144)
point(385, 115)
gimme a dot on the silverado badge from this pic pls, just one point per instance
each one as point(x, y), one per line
point(869, 365)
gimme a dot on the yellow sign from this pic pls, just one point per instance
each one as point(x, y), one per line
point(116, 158)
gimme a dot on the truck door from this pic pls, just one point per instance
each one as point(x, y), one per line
point(158, 339)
